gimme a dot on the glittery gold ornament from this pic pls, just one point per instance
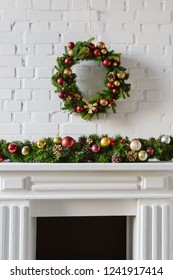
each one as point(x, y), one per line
point(69, 98)
point(77, 96)
point(86, 52)
point(104, 51)
point(111, 77)
point(67, 71)
point(142, 155)
point(105, 142)
point(25, 150)
point(103, 102)
point(57, 140)
point(71, 53)
point(117, 83)
point(101, 45)
point(121, 75)
point(41, 143)
point(89, 141)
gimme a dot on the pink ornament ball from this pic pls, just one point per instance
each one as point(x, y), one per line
point(95, 148)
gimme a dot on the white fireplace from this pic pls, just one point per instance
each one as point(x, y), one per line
point(143, 192)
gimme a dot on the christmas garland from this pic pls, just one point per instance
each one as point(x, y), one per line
point(88, 149)
point(65, 80)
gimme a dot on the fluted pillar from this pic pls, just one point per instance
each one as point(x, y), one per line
point(14, 223)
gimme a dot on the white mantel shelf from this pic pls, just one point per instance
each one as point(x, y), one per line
point(156, 166)
point(141, 191)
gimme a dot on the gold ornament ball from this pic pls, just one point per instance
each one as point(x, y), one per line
point(101, 45)
point(86, 52)
point(117, 83)
point(71, 53)
point(103, 102)
point(25, 150)
point(57, 140)
point(41, 144)
point(105, 142)
point(67, 71)
point(135, 145)
point(103, 51)
point(121, 75)
point(142, 155)
point(115, 64)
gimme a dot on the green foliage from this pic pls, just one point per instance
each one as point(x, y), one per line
point(81, 151)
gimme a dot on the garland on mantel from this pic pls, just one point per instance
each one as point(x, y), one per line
point(91, 148)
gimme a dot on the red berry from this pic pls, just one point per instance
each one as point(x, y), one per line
point(91, 46)
point(60, 81)
point(106, 62)
point(62, 94)
point(68, 61)
point(97, 52)
point(70, 45)
point(112, 100)
point(123, 140)
point(110, 85)
point(79, 109)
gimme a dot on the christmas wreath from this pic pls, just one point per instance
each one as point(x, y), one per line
point(66, 85)
point(92, 148)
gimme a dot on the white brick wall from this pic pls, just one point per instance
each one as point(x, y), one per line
point(34, 32)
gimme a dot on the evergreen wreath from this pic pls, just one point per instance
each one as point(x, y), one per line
point(66, 85)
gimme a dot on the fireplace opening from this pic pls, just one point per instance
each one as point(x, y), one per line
point(84, 238)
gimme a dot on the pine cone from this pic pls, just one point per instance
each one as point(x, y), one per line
point(132, 156)
point(57, 150)
point(111, 77)
point(116, 158)
point(82, 140)
point(86, 148)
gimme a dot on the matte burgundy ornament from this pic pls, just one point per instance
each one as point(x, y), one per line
point(12, 148)
point(67, 142)
point(70, 45)
point(150, 151)
point(95, 148)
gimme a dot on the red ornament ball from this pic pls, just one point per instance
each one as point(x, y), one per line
point(79, 109)
point(112, 100)
point(150, 151)
point(62, 94)
point(113, 142)
point(95, 148)
point(67, 142)
point(106, 62)
point(12, 148)
point(110, 85)
point(70, 45)
point(1, 159)
point(91, 46)
point(97, 52)
point(115, 91)
point(60, 81)
point(68, 61)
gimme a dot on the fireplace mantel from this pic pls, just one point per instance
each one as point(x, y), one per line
point(141, 191)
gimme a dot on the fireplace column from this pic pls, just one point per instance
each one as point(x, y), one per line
point(14, 226)
point(153, 227)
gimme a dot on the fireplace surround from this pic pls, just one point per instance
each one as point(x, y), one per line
point(143, 192)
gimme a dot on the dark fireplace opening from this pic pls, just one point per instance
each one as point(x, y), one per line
point(84, 238)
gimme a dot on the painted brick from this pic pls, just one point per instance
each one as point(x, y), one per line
point(60, 5)
point(5, 26)
point(153, 5)
point(9, 83)
point(13, 106)
point(41, 94)
point(154, 84)
point(5, 94)
point(59, 26)
point(80, 15)
point(118, 37)
point(116, 5)
point(59, 118)
point(9, 129)
point(21, 26)
point(25, 49)
point(41, 26)
point(149, 17)
point(42, 106)
point(154, 50)
point(5, 117)
point(7, 4)
point(37, 84)
point(153, 39)
point(22, 94)
point(7, 49)
point(20, 117)
point(45, 128)
point(10, 61)
point(25, 72)
point(98, 5)
point(10, 38)
point(43, 72)
point(82, 5)
point(41, 4)
point(45, 49)
point(77, 129)
point(23, 4)
point(76, 26)
point(43, 16)
point(41, 117)
point(45, 37)
point(41, 61)
point(136, 50)
point(11, 15)
point(7, 72)
point(135, 4)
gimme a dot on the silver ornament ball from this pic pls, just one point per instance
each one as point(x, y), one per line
point(135, 145)
point(166, 139)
